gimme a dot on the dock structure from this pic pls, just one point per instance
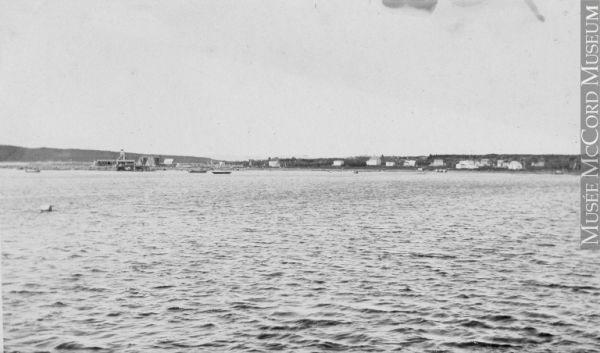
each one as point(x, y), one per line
point(147, 162)
point(124, 164)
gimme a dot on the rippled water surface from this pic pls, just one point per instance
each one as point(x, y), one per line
point(295, 261)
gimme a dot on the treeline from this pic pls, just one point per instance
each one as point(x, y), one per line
point(529, 161)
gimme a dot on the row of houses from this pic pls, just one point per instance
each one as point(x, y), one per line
point(377, 161)
point(499, 164)
point(440, 163)
point(484, 163)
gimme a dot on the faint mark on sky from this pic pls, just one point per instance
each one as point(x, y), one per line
point(429, 5)
point(535, 10)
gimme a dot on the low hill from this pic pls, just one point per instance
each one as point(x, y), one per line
point(22, 154)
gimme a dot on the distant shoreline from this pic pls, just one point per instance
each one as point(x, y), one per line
point(87, 166)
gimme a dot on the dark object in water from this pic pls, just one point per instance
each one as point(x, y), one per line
point(46, 208)
point(32, 170)
point(221, 171)
point(197, 170)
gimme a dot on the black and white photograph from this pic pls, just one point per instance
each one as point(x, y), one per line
point(417, 176)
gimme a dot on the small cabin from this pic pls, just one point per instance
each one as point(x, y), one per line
point(515, 165)
point(538, 164)
point(466, 164)
point(374, 161)
point(437, 163)
point(410, 163)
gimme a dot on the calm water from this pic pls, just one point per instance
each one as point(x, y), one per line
point(295, 261)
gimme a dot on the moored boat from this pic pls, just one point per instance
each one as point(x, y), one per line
point(32, 170)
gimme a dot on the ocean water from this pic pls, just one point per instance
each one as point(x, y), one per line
point(298, 261)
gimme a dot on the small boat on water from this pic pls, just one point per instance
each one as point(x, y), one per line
point(197, 171)
point(221, 171)
point(32, 170)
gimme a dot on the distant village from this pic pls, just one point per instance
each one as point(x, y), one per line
point(67, 159)
point(491, 162)
point(431, 162)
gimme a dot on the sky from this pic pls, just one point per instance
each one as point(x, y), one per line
point(306, 78)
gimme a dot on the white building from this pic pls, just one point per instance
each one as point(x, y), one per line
point(515, 165)
point(437, 163)
point(484, 162)
point(501, 164)
point(168, 161)
point(374, 161)
point(274, 164)
point(466, 164)
point(390, 164)
point(410, 163)
point(338, 163)
point(538, 164)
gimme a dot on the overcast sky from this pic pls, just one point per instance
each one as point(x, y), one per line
point(230, 78)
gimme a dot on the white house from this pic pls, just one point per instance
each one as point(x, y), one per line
point(466, 164)
point(501, 164)
point(484, 162)
point(410, 163)
point(437, 163)
point(515, 165)
point(274, 164)
point(338, 163)
point(374, 161)
point(390, 164)
point(168, 161)
point(538, 164)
